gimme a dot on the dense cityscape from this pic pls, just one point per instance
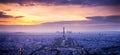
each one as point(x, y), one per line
point(95, 43)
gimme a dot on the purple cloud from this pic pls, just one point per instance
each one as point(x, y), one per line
point(62, 2)
point(3, 15)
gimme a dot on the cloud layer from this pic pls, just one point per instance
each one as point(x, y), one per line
point(3, 15)
point(63, 2)
point(94, 20)
point(106, 19)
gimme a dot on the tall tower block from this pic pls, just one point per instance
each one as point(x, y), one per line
point(64, 38)
point(64, 33)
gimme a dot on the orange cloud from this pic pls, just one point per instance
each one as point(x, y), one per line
point(38, 14)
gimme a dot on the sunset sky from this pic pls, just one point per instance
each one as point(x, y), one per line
point(52, 15)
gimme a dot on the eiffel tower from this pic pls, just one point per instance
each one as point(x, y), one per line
point(60, 45)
